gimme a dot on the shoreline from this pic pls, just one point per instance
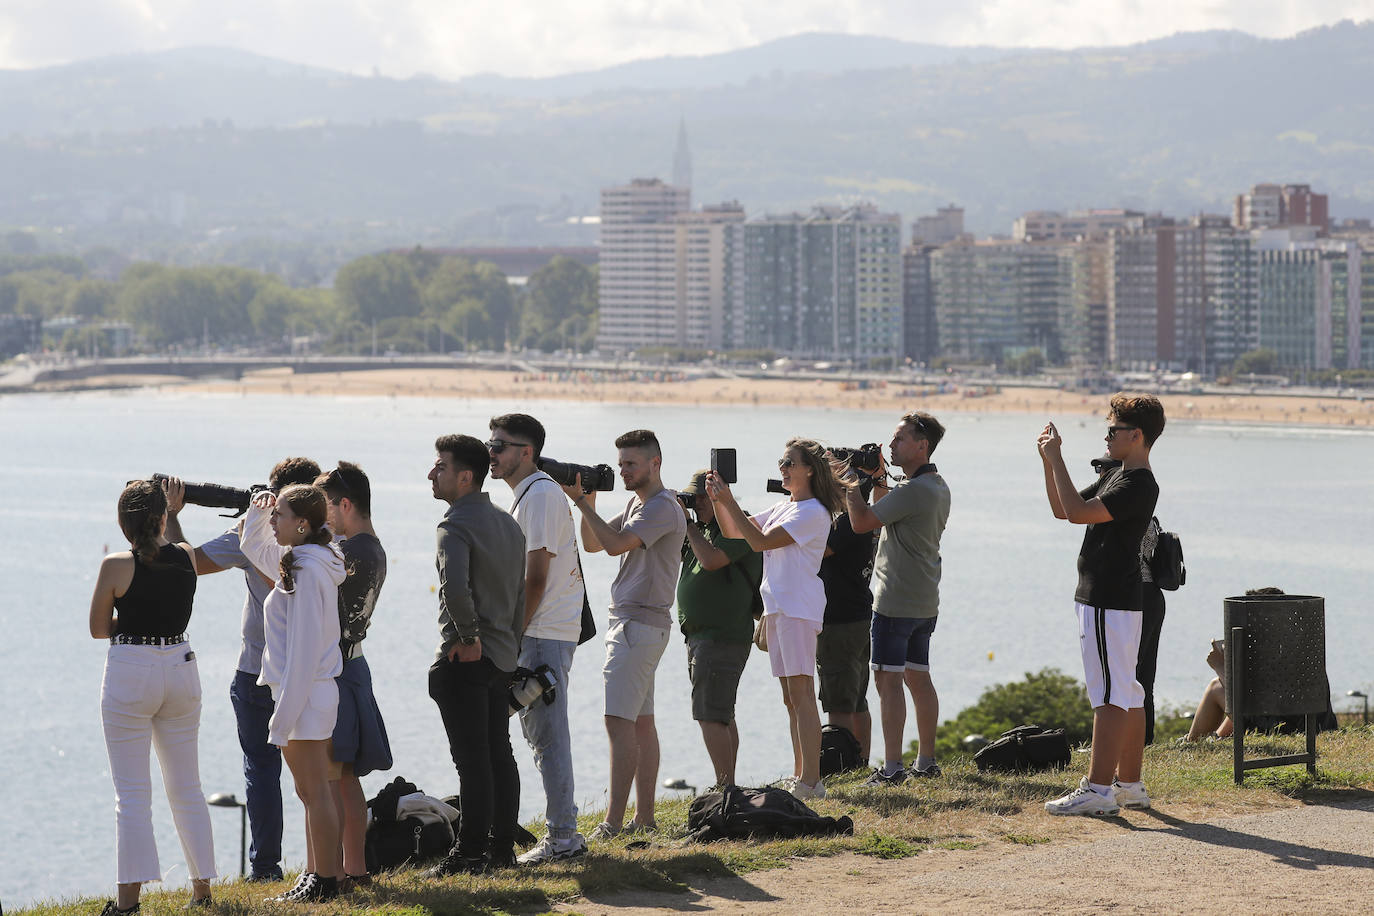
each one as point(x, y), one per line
point(666, 387)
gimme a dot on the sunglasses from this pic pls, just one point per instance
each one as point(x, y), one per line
point(786, 463)
point(497, 446)
point(1113, 430)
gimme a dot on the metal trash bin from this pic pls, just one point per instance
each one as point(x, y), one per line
point(1275, 666)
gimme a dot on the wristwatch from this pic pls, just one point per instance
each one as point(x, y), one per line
point(467, 640)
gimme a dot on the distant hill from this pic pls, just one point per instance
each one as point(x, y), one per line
point(210, 139)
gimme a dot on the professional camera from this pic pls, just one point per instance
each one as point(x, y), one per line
point(867, 457)
point(688, 500)
point(217, 496)
point(600, 477)
point(775, 486)
point(526, 686)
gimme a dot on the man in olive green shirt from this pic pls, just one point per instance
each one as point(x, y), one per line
point(716, 593)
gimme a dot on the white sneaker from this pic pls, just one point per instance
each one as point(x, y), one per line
point(552, 849)
point(801, 791)
point(603, 832)
point(1084, 800)
point(1130, 798)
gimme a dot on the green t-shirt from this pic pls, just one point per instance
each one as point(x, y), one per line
point(906, 571)
point(719, 604)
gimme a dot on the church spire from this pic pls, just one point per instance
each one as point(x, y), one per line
point(682, 158)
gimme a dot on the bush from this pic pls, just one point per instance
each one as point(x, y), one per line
point(1050, 698)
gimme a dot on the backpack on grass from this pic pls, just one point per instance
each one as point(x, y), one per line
point(741, 814)
point(407, 827)
point(840, 751)
point(1025, 749)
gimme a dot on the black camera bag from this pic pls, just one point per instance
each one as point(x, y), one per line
point(391, 842)
point(840, 750)
point(1026, 749)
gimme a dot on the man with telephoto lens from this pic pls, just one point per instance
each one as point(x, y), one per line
point(481, 563)
point(554, 595)
point(253, 705)
point(906, 591)
point(716, 593)
point(647, 537)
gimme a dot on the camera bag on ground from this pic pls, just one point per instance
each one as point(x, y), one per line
point(407, 827)
point(763, 814)
point(840, 751)
point(1026, 749)
point(1166, 563)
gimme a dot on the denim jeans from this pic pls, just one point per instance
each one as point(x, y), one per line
point(150, 699)
point(546, 731)
point(474, 702)
point(253, 708)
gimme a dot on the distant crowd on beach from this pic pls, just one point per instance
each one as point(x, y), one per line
point(838, 581)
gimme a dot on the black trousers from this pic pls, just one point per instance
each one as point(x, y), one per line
point(473, 700)
point(1152, 622)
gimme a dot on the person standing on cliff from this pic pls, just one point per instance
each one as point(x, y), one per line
point(1109, 600)
point(906, 591)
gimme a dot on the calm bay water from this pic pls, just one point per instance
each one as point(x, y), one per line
point(1255, 506)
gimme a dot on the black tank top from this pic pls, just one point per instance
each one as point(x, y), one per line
point(158, 602)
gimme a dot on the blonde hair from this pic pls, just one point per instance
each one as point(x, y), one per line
point(824, 485)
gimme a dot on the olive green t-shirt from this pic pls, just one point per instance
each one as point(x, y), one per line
point(717, 604)
point(906, 572)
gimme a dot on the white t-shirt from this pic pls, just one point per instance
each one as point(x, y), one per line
point(791, 584)
point(541, 510)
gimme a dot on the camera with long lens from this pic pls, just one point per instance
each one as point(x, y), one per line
point(867, 457)
point(688, 500)
point(526, 686)
point(598, 477)
point(775, 486)
point(217, 496)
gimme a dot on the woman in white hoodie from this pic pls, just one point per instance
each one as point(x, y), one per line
point(285, 537)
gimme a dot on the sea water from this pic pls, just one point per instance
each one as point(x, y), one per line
point(1254, 506)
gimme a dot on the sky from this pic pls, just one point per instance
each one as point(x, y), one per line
point(451, 39)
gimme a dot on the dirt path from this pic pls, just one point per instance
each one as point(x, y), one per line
point(1315, 858)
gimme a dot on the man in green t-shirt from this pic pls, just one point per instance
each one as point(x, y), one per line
point(716, 594)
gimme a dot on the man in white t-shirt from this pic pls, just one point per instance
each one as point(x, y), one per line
point(554, 594)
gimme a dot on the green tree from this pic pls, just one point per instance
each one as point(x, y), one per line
point(183, 305)
point(91, 298)
point(471, 302)
point(558, 305)
point(378, 286)
point(42, 292)
point(1263, 361)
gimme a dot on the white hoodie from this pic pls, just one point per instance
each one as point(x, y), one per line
point(301, 627)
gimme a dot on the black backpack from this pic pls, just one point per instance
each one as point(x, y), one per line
point(840, 750)
point(391, 842)
point(1026, 748)
point(757, 814)
point(1166, 563)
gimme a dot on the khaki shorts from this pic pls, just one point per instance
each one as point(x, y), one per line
point(632, 653)
point(842, 662)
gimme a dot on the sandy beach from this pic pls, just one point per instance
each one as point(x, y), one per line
point(667, 388)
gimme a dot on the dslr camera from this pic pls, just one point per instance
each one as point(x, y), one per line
point(217, 496)
point(866, 458)
point(526, 686)
point(600, 477)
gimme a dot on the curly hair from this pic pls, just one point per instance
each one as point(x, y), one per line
point(1143, 411)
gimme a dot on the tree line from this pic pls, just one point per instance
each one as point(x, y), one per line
point(416, 301)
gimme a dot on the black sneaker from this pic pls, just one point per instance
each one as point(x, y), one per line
point(311, 888)
point(112, 909)
point(265, 877)
point(929, 772)
point(503, 859)
point(455, 863)
point(880, 779)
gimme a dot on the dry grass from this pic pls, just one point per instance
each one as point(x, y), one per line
point(964, 809)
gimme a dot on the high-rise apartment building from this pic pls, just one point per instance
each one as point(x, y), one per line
point(922, 339)
point(1054, 226)
point(1273, 205)
point(638, 287)
point(996, 299)
point(945, 225)
point(1311, 300)
point(825, 285)
point(702, 274)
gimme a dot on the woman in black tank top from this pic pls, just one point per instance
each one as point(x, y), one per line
point(150, 694)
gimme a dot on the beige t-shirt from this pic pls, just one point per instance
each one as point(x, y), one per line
point(646, 584)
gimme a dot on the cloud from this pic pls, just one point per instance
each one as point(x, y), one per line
point(543, 37)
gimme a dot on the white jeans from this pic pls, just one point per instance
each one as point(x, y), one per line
point(151, 695)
